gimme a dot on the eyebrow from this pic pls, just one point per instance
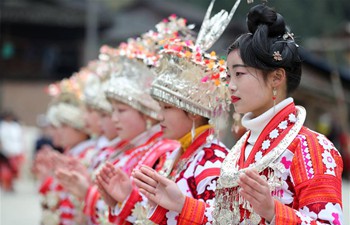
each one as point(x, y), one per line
point(238, 65)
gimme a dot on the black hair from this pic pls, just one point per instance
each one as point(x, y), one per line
point(269, 45)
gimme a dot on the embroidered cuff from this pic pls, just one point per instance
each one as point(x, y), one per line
point(124, 209)
point(157, 215)
point(284, 214)
point(192, 212)
point(90, 200)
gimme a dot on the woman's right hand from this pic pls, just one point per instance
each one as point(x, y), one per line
point(159, 189)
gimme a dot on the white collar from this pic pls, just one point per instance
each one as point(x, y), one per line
point(144, 136)
point(114, 141)
point(81, 146)
point(256, 125)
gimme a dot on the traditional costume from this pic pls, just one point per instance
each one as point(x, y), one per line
point(191, 79)
point(60, 207)
point(130, 85)
point(302, 167)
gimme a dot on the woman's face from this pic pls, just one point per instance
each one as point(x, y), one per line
point(249, 91)
point(92, 118)
point(176, 122)
point(107, 125)
point(128, 121)
point(69, 136)
point(53, 132)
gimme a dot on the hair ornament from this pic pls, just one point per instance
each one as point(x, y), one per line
point(287, 36)
point(277, 56)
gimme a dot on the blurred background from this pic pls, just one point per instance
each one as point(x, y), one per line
point(42, 41)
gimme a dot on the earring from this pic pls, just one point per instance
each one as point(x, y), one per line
point(236, 122)
point(193, 130)
point(274, 96)
point(148, 124)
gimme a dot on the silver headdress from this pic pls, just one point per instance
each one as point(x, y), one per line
point(51, 115)
point(132, 84)
point(190, 78)
point(132, 88)
point(95, 84)
point(66, 106)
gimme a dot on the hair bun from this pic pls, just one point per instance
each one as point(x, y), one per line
point(264, 15)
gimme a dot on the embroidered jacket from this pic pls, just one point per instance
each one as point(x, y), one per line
point(94, 206)
point(155, 157)
point(153, 153)
point(308, 171)
point(151, 149)
point(59, 207)
point(196, 174)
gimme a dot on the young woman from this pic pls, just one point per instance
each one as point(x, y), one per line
point(190, 93)
point(279, 172)
point(74, 139)
point(136, 117)
point(80, 181)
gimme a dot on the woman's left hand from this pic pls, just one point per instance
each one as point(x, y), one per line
point(158, 189)
point(74, 182)
point(257, 192)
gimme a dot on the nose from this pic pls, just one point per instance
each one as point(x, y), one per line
point(232, 85)
point(115, 118)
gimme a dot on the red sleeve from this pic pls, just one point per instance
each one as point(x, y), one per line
point(45, 186)
point(158, 215)
point(192, 212)
point(284, 214)
point(129, 204)
point(91, 198)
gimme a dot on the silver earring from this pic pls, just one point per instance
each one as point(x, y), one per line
point(148, 124)
point(274, 96)
point(193, 130)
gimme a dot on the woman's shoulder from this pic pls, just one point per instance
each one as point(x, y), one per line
point(316, 151)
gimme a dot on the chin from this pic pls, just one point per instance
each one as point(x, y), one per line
point(166, 135)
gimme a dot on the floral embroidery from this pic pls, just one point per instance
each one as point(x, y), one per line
point(292, 118)
point(332, 212)
point(286, 162)
point(212, 186)
point(329, 162)
point(265, 144)
point(274, 133)
point(209, 210)
point(283, 125)
point(306, 212)
point(307, 158)
point(305, 219)
point(326, 144)
point(258, 156)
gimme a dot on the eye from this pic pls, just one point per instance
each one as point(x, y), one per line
point(228, 76)
point(239, 74)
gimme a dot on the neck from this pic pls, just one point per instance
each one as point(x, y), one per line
point(186, 140)
point(144, 136)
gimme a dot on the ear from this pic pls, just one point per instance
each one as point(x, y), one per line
point(278, 77)
point(194, 117)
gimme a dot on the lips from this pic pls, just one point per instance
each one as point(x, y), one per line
point(162, 127)
point(234, 99)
